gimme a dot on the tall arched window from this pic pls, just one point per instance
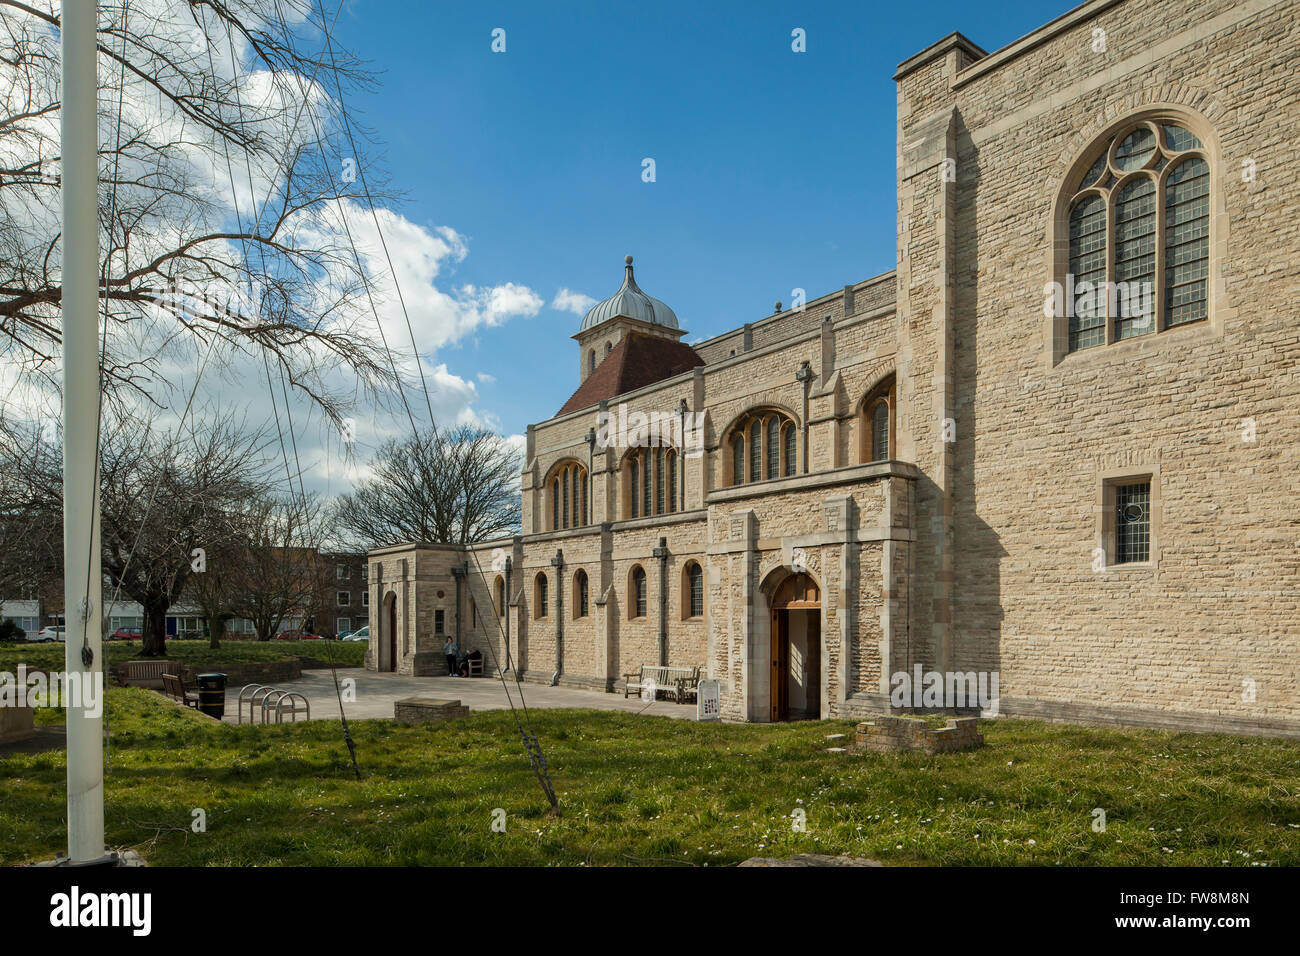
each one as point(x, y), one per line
point(541, 595)
point(1139, 236)
point(569, 504)
point(637, 599)
point(473, 612)
point(877, 422)
point(652, 476)
point(591, 361)
point(501, 596)
point(769, 438)
point(580, 594)
point(693, 599)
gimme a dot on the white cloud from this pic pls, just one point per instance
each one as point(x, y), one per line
point(566, 300)
point(486, 379)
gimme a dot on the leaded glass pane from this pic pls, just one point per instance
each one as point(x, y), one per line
point(880, 431)
point(773, 447)
point(1088, 269)
point(633, 477)
point(565, 495)
point(738, 460)
point(1135, 258)
point(659, 480)
point(672, 482)
point(789, 450)
point(697, 590)
point(1133, 523)
point(646, 490)
point(1178, 139)
point(638, 581)
point(1187, 242)
point(756, 451)
point(1094, 171)
point(555, 504)
point(1135, 149)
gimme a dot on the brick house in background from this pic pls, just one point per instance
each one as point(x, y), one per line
point(972, 463)
point(344, 604)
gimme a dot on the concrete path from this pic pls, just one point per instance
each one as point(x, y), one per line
point(376, 693)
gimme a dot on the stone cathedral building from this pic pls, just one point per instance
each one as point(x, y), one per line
point(1058, 442)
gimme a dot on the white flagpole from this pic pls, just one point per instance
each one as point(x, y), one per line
point(82, 591)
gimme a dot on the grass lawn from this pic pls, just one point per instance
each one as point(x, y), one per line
point(197, 653)
point(639, 789)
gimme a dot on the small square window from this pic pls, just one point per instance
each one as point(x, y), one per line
point(344, 598)
point(1133, 523)
point(1129, 519)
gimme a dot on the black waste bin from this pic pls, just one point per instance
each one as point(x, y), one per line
point(212, 694)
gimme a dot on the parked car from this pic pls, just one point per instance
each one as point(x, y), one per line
point(52, 633)
point(297, 636)
point(359, 635)
point(128, 634)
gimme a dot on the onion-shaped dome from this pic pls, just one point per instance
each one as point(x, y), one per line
point(630, 302)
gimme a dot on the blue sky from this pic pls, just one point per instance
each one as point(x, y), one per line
point(775, 170)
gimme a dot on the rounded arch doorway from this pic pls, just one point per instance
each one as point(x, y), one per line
point(795, 648)
point(388, 633)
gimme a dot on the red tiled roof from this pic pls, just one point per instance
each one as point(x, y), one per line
point(636, 361)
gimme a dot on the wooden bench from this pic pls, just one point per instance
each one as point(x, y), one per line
point(146, 673)
point(174, 687)
point(676, 680)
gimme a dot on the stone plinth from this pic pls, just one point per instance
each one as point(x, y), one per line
point(427, 710)
point(17, 723)
point(891, 734)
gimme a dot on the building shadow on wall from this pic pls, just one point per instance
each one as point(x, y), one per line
point(978, 554)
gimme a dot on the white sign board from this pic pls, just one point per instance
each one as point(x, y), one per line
point(708, 700)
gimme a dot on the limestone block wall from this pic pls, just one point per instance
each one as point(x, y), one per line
point(1207, 627)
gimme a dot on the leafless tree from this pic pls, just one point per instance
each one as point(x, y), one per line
point(167, 498)
point(31, 536)
point(276, 571)
point(450, 486)
point(227, 178)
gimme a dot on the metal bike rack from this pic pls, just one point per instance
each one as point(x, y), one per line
point(273, 698)
point(291, 700)
point(249, 690)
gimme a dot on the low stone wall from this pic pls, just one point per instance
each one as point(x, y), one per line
point(427, 710)
point(891, 734)
point(263, 672)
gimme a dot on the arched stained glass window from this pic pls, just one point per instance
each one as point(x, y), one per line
point(1139, 236)
point(695, 586)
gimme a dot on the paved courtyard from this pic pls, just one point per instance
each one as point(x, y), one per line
point(376, 693)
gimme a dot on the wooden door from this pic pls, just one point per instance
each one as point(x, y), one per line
point(780, 680)
point(813, 690)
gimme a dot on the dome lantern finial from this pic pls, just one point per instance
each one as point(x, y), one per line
point(632, 302)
